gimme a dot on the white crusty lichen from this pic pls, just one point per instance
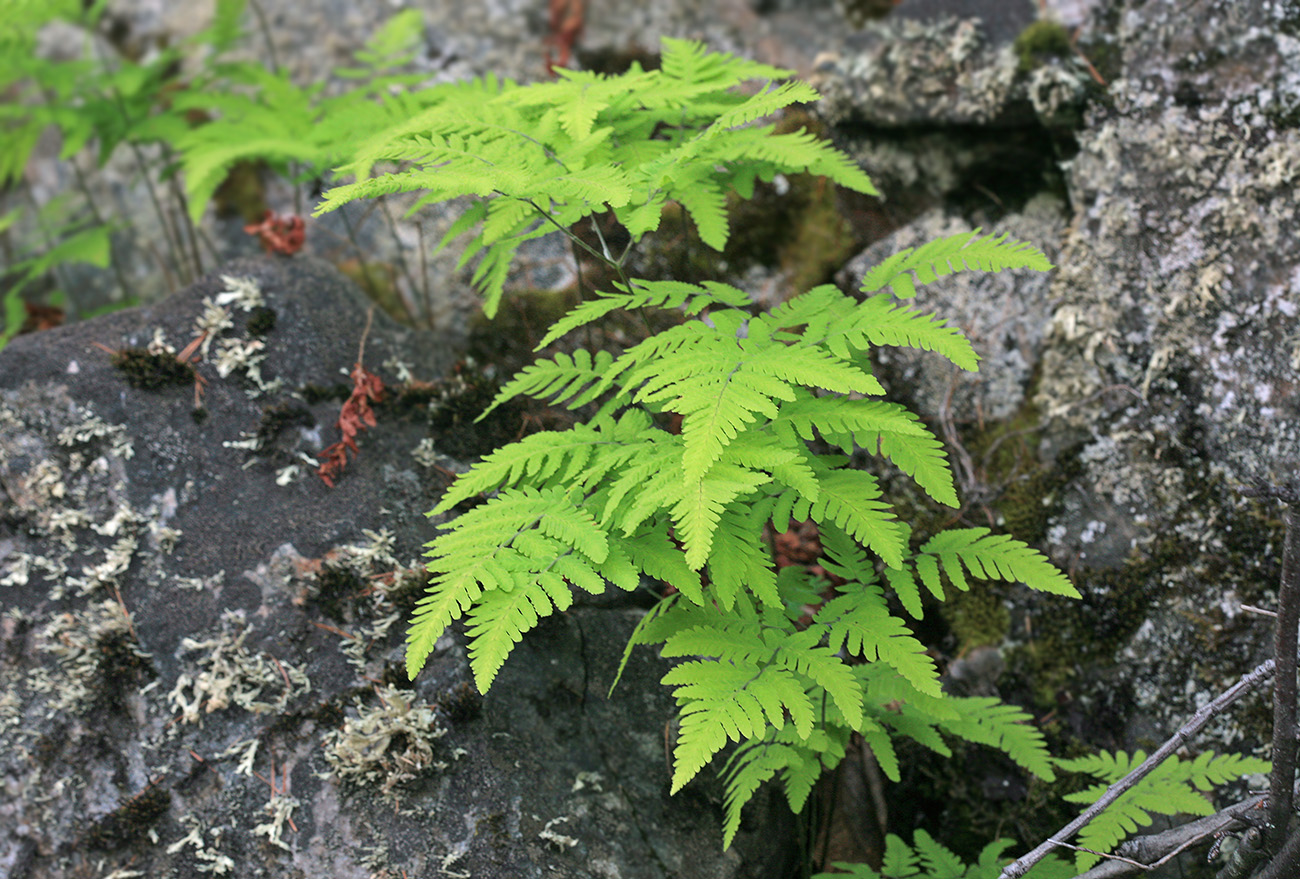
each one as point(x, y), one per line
point(243, 292)
point(559, 840)
point(76, 640)
point(214, 321)
point(279, 810)
point(387, 743)
point(229, 674)
point(207, 852)
point(91, 428)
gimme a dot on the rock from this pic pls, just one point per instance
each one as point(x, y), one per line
point(1170, 363)
point(201, 647)
point(1157, 371)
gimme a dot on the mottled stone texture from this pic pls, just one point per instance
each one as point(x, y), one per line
point(1157, 370)
point(252, 716)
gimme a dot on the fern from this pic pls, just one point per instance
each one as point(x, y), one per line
point(550, 155)
point(943, 256)
point(1175, 786)
point(774, 663)
point(927, 859)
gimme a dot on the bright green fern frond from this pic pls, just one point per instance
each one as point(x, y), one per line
point(499, 620)
point(923, 458)
point(703, 199)
point(740, 559)
point(721, 701)
point(765, 103)
point(569, 380)
point(691, 62)
point(653, 553)
point(796, 151)
point(988, 721)
point(645, 294)
point(561, 455)
point(504, 545)
point(800, 761)
point(860, 621)
point(995, 556)
point(887, 428)
point(930, 860)
point(943, 256)
point(849, 499)
point(878, 320)
point(799, 652)
point(726, 640)
point(703, 501)
point(1175, 786)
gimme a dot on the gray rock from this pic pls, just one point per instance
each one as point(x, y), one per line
point(1163, 355)
point(201, 643)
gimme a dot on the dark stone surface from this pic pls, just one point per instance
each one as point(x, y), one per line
point(270, 616)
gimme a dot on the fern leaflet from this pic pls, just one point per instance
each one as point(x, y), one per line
point(943, 256)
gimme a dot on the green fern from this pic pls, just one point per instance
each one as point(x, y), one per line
point(943, 256)
point(776, 663)
point(1174, 787)
point(546, 156)
point(928, 859)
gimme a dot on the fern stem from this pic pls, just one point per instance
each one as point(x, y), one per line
point(569, 234)
point(266, 34)
point(371, 289)
point(427, 301)
point(187, 226)
point(57, 268)
point(392, 230)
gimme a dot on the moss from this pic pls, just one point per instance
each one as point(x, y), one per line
point(978, 617)
point(336, 587)
point(122, 665)
point(461, 704)
point(243, 192)
point(379, 281)
point(453, 417)
point(859, 12)
point(148, 371)
point(977, 795)
point(314, 394)
point(1042, 40)
point(522, 319)
point(277, 418)
point(261, 320)
point(131, 820)
point(407, 590)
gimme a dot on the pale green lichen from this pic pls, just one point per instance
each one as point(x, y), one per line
point(229, 674)
point(387, 743)
point(207, 852)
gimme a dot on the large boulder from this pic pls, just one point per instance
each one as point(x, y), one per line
point(201, 645)
point(1156, 373)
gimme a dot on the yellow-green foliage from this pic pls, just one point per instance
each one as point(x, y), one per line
point(760, 396)
point(1042, 39)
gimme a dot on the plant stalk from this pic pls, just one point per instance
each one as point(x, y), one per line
point(1282, 779)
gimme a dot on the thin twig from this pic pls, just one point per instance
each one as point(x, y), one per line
point(1155, 849)
point(1282, 778)
point(361, 348)
point(1286, 863)
point(1203, 716)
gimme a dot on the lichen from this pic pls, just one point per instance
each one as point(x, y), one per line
point(227, 674)
point(385, 744)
